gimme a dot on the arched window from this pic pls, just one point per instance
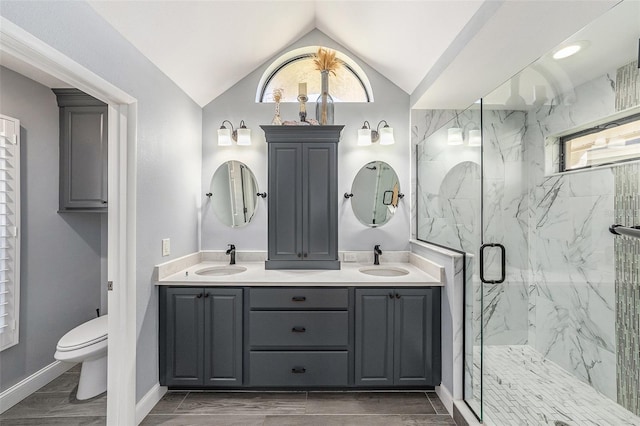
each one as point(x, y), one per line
point(350, 84)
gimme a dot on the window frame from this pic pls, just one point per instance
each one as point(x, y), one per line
point(564, 140)
point(306, 52)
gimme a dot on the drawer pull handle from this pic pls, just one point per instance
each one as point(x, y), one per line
point(298, 370)
point(298, 330)
point(298, 299)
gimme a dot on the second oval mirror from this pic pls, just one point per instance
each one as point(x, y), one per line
point(234, 194)
point(376, 191)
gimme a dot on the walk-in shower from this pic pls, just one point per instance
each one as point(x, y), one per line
point(552, 297)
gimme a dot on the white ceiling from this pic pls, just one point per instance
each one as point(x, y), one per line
point(206, 47)
point(445, 53)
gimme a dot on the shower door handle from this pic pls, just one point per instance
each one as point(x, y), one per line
point(503, 263)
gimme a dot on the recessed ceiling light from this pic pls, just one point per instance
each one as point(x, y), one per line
point(569, 50)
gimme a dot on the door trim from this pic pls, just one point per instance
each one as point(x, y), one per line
point(121, 381)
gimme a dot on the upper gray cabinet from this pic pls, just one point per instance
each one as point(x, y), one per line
point(83, 152)
point(303, 197)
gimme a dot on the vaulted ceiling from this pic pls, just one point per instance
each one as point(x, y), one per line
point(444, 53)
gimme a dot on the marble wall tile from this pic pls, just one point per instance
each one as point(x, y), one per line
point(561, 260)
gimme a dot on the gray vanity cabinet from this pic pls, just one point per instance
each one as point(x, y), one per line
point(303, 197)
point(201, 337)
point(299, 337)
point(397, 337)
point(83, 152)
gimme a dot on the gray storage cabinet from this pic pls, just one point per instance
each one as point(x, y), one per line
point(83, 152)
point(303, 197)
point(397, 337)
point(201, 337)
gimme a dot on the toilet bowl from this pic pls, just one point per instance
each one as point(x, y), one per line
point(87, 343)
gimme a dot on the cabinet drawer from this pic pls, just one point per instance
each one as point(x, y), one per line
point(293, 328)
point(299, 298)
point(305, 368)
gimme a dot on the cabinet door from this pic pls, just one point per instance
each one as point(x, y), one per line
point(285, 214)
point(223, 337)
point(319, 202)
point(83, 158)
point(374, 337)
point(184, 336)
point(416, 337)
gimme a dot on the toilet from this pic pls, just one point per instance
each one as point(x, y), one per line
point(87, 343)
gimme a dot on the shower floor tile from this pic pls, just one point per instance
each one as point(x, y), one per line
point(521, 387)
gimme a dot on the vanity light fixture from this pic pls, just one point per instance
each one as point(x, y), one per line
point(242, 135)
point(454, 136)
point(475, 138)
point(367, 136)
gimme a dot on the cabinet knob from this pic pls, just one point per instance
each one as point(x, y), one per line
point(104, 201)
point(299, 254)
point(206, 295)
point(298, 330)
point(397, 296)
point(298, 298)
point(390, 295)
point(298, 370)
point(304, 255)
point(199, 296)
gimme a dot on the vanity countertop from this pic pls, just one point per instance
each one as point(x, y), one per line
point(348, 276)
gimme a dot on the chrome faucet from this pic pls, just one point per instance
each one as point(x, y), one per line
point(232, 251)
point(376, 254)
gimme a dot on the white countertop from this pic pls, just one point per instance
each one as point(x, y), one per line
point(348, 276)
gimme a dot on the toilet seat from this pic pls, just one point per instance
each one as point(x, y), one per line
point(87, 334)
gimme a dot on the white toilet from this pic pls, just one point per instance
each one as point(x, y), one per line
point(87, 343)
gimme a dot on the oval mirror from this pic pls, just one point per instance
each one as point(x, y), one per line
point(376, 191)
point(234, 194)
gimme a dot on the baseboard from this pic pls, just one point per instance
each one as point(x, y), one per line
point(463, 416)
point(446, 398)
point(26, 387)
point(146, 404)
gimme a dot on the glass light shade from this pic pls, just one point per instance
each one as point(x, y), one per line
point(386, 136)
point(244, 136)
point(454, 136)
point(364, 137)
point(224, 137)
point(475, 138)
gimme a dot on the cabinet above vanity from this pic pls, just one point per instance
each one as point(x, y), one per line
point(303, 197)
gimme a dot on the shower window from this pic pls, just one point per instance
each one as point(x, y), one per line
point(608, 143)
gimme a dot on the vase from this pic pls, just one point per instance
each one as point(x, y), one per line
point(324, 104)
point(277, 97)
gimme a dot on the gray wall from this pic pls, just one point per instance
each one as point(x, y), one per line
point(60, 253)
point(391, 104)
point(168, 147)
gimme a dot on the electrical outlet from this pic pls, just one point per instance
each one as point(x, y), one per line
point(166, 247)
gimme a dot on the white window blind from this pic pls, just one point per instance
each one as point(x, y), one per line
point(9, 228)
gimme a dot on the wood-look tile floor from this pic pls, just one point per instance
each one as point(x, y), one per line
point(55, 404)
point(299, 409)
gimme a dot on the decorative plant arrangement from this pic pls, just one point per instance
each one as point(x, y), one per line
point(326, 62)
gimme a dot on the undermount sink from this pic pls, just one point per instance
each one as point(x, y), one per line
point(218, 271)
point(384, 271)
